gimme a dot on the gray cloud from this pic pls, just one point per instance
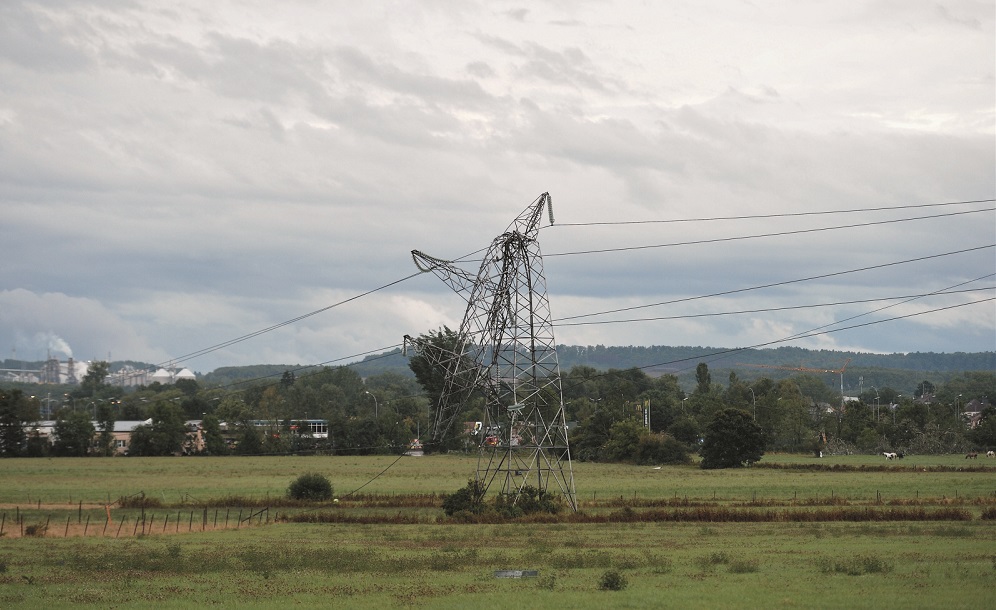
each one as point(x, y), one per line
point(187, 176)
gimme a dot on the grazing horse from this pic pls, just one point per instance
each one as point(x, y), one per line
point(889, 456)
point(900, 454)
point(971, 455)
point(991, 454)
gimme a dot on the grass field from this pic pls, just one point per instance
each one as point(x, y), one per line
point(913, 564)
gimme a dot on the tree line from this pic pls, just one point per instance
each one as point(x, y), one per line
point(608, 410)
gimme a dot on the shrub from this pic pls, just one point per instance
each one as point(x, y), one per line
point(547, 582)
point(465, 499)
point(139, 500)
point(661, 449)
point(857, 566)
point(529, 501)
point(743, 566)
point(310, 486)
point(35, 530)
point(612, 580)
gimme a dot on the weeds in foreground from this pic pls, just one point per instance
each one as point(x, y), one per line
point(856, 566)
point(709, 562)
point(743, 566)
point(548, 583)
point(612, 580)
point(35, 530)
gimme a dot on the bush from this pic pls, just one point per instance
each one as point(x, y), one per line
point(310, 486)
point(661, 449)
point(743, 566)
point(528, 501)
point(467, 498)
point(857, 566)
point(37, 530)
point(612, 581)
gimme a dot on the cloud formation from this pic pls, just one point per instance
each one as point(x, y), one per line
point(175, 178)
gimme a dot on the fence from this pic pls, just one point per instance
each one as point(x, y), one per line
point(35, 523)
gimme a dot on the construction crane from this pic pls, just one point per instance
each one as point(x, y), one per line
point(806, 369)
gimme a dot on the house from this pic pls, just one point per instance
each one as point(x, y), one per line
point(122, 434)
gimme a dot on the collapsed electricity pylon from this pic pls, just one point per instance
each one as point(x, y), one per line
point(506, 350)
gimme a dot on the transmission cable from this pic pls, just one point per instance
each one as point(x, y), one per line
point(465, 258)
point(773, 284)
point(224, 344)
point(805, 334)
point(774, 309)
point(762, 216)
point(760, 235)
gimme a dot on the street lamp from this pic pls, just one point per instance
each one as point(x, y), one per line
point(375, 402)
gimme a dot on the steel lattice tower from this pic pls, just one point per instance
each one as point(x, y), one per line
point(506, 350)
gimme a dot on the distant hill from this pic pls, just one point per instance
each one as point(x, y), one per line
point(899, 371)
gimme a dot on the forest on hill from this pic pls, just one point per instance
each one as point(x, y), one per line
point(904, 372)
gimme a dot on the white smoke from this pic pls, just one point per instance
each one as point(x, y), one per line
point(52, 344)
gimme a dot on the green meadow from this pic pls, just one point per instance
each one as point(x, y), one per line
point(174, 553)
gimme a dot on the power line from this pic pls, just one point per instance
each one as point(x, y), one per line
point(804, 335)
point(761, 216)
point(760, 235)
point(908, 300)
point(464, 258)
point(312, 366)
point(773, 309)
point(773, 284)
point(257, 333)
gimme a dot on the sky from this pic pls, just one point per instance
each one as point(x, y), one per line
point(177, 176)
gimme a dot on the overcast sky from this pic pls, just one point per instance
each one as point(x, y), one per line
point(177, 175)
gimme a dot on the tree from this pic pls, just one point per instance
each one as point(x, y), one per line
point(686, 430)
point(12, 437)
point(105, 421)
point(287, 379)
point(984, 434)
point(924, 388)
point(250, 441)
point(661, 449)
point(624, 439)
point(93, 380)
point(73, 434)
point(430, 367)
point(703, 379)
point(214, 442)
point(430, 377)
point(166, 434)
point(592, 435)
point(732, 439)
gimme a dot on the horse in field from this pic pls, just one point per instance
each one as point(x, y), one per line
point(889, 455)
point(971, 456)
point(991, 454)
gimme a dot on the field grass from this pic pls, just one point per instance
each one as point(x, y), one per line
point(453, 566)
point(433, 562)
point(193, 479)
